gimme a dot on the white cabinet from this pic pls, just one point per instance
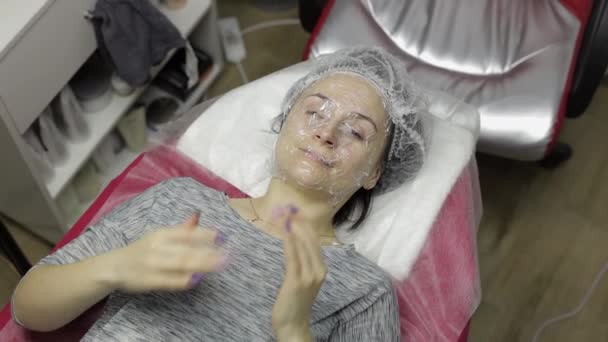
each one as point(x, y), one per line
point(45, 58)
point(42, 46)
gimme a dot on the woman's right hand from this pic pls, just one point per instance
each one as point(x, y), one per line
point(173, 258)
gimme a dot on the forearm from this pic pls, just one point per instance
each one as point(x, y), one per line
point(301, 334)
point(298, 338)
point(51, 296)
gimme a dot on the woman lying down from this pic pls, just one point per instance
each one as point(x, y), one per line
point(184, 262)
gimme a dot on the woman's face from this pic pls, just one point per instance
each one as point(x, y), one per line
point(334, 136)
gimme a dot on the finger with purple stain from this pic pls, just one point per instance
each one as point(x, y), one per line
point(223, 262)
point(288, 224)
point(196, 278)
point(277, 212)
point(292, 209)
point(220, 238)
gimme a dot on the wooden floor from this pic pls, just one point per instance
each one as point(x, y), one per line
point(543, 238)
point(544, 233)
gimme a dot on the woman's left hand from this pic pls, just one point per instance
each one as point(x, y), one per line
point(305, 272)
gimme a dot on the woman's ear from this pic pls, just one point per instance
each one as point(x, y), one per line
point(371, 181)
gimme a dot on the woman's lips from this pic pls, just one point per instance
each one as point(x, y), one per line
point(316, 157)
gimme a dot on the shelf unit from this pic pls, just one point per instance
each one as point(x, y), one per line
point(102, 122)
point(197, 21)
point(125, 157)
point(122, 160)
point(18, 14)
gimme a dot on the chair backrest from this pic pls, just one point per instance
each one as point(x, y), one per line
point(510, 58)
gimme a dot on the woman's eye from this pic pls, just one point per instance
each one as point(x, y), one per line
point(316, 115)
point(356, 134)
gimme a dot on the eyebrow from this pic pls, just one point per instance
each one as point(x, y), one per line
point(359, 115)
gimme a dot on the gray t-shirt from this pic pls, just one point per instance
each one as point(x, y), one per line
point(357, 301)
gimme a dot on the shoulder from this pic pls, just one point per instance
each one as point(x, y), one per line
point(180, 183)
point(183, 188)
point(362, 293)
point(358, 273)
point(165, 204)
point(167, 191)
point(167, 197)
point(185, 193)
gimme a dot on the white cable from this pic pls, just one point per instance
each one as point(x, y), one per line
point(241, 69)
point(270, 23)
point(578, 308)
point(259, 26)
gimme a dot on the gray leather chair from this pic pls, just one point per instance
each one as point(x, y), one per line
point(512, 59)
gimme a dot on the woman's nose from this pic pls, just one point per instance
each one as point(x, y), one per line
point(326, 134)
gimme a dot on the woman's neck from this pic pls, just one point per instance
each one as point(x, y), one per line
point(315, 209)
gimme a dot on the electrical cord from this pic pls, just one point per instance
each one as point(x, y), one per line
point(257, 27)
point(577, 309)
point(270, 23)
point(241, 70)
